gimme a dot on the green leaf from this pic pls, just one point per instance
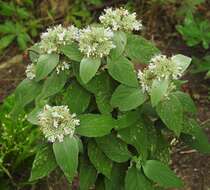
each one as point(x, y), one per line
point(137, 136)
point(52, 85)
point(99, 159)
point(45, 65)
point(120, 41)
point(181, 61)
point(126, 120)
point(95, 125)
point(195, 136)
point(72, 52)
point(139, 49)
point(77, 98)
point(26, 92)
point(158, 91)
point(66, 154)
point(171, 113)
point(6, 41)
point(135, 180)
point(122, 70)
point(114, 148)
point(88, 68)
point(127, 98)
point(161, 174)
point(87, 175)
point(44, 163)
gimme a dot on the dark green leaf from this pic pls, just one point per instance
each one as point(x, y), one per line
point(6, 41)
point(88, 68)
point(66, 154)
point(114, 148)
point(122, 70)
point(99, 159)
point(127, 98)
point(77, 98)
point(161, 174)
point(135, 180)
point(95, 125)
point(45, 65)
point(139, 49)
point(43, 164)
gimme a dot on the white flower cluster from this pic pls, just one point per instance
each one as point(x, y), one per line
point(56, 122)
point(63, 65)
point(30, 71)
point(57, 36)
point(120, 19)
point(96, 41)
point(160, 68)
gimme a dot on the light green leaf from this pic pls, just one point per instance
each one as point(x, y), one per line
point(45, 65)
point(181, 61)
point(99, 159)
point(76, 97)
point(171, 113)
point(88, 68)
point(52, 85)
point(72, 52)
point(87, 174)
point(95, 125)
point(135, 180)
point(120, 40)
point(161, 174)
point(139, 49)
point(114, 148)
point(66, 154)
point(158, 91)
point(122, 70)
point(44, 163)
point(127, 98)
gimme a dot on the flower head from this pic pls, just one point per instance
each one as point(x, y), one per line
point(120, 19)
point(56, 36)
point(96, 41)
point(56, 122)
point(30, 71)
point(159, 68)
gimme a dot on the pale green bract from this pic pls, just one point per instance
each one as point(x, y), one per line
point(96, 41)
point(120, 19)
point(56, 122)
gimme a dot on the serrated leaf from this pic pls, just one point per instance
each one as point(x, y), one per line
point(44, 163)
point(88, 68)
point(127, 98)
point(122, 70)
point(72, 52)
point(135, 180)
point(66, 154)
point(45, 65)
point(171, 113)
point(99, 159)
point(139, 49)
point(158, 91)
point(77, 98)
point(114, 148)
point(161, 174)
point(87, 174)
point(95, 125)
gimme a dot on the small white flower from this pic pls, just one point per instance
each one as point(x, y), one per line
point(96, 41)
point(56, 122)
point(63, 65)
point(30, 71)
point(120, 19)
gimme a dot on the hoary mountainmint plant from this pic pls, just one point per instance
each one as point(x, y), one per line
point(102, 120)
